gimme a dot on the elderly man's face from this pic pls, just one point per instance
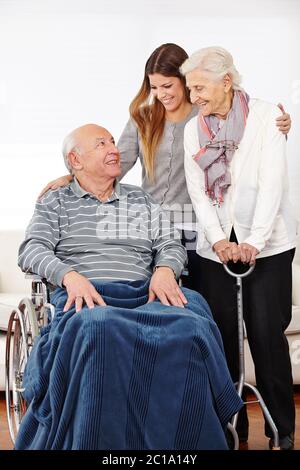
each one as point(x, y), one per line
point(208, 94)
point(99, 155)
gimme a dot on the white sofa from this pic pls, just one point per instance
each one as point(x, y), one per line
point(13, 287)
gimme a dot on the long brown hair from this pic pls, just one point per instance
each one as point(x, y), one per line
point(150, 118)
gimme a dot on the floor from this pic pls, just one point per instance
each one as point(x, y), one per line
point(257, 440)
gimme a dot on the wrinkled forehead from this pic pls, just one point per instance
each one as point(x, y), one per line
point(98, 132)
point(198, 77)
point(92, 134)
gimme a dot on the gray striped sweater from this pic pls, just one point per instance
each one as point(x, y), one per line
point(120, 239)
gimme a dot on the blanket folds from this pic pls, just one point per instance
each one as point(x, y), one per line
point(130, 375)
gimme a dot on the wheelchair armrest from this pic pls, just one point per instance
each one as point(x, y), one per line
point(40, 288)
point(34, 277)
point(184, 274)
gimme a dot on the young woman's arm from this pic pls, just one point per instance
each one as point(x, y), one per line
point(128, 146)
point(57, 183)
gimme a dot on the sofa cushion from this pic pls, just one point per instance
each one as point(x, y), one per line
point(11, 277)
point(7, 303)
point(294, 326)
point(2, 360)
point(296, 284)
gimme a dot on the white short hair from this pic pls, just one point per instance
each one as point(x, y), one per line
point(215, 60)
point(69, 145)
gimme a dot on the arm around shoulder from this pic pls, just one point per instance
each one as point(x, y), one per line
point(272, 178)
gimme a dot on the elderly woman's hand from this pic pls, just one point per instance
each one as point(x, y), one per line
point(164, 286)
point(59, 182)
point(248, 253)
point(284, 122)
point(227, 251)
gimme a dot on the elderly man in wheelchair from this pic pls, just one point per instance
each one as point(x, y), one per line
point(122, 357)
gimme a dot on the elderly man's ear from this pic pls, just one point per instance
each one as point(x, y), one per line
point(75, 160)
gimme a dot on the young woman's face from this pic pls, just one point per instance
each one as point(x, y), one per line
point(168, 90)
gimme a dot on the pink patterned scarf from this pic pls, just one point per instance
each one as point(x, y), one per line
point(218, 144)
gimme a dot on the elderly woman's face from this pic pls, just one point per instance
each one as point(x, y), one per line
point(210, 95)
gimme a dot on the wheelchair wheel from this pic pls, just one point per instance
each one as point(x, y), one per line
point(21, 332)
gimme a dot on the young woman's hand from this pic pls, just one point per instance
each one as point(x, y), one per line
point(284, 122)
point(59, 182)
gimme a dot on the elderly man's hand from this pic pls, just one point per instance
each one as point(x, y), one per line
point(164, 286)
point(80, 290)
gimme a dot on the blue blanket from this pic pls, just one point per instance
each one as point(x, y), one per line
point(130, 375)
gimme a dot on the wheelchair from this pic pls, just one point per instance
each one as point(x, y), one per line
point(24, 326)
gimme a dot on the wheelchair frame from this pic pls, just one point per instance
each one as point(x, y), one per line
point(24, 325)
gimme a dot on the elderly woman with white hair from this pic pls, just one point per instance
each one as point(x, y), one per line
point(237, 179)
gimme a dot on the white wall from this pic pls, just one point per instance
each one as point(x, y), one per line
point(66, 63)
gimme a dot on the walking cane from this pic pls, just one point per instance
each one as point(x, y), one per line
point(241, 384)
